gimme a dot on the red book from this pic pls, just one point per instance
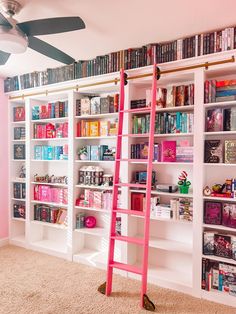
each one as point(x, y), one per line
point(78, 129)
point(168, 151)
point(225, 83)
point(137, 201)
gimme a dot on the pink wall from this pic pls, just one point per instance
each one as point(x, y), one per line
point(3, 164)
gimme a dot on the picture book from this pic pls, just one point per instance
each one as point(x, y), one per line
point(230, 151)
point(212, 213)
point(213, 151)
point(168, 151)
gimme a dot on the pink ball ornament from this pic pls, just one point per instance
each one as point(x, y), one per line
point(90, 222)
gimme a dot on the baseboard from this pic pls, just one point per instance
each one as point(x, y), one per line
point(4, 241)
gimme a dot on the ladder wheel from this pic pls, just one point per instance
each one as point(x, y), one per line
point(102, 288)
point(148, 304)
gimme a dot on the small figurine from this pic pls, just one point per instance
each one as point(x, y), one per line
point(83, 153)
point(183, 183)
point(22, 173)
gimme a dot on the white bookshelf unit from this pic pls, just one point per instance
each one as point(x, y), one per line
point(175, 253)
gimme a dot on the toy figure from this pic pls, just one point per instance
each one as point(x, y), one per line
point(183, 183)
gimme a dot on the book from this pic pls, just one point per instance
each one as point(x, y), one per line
point(19, 151)
point(213, 152)
point(19, 113)
point(104, 127)
point(208, 243)
point(214, 120)
point(94, 152)
point(19, 133)
point(212, 213)
point(95, 106)
point(230, 151)
point(168, 151)
point(137, 201)
point(222, 244)
point(85, 106)
point(19, 211)
point(226, 214)
point(105, 105)
point(94, 128)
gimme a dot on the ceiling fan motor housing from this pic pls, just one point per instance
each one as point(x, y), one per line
point(10, 7)
point(12, 40)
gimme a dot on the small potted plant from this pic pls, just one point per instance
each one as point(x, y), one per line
point(183, 183)
point(82, 153)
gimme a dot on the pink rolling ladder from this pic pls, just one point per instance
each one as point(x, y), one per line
point(144, 242)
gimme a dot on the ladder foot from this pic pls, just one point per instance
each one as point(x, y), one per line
point(147, 304)
point(102, 288)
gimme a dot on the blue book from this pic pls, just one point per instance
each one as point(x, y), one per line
point(50, 153)
point(44, 152)
point(178, 121)
point(38, 152)
point(224, 93)
point(66, 109)
point(94, 153)
point(52, 110)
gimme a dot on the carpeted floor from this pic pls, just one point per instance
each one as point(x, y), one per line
point(33, 283)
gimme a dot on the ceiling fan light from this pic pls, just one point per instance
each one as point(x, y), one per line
point(12, 41)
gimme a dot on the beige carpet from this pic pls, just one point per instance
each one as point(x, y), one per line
point(31, 283)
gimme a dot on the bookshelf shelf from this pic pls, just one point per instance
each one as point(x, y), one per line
point(51, 160)
point(52, 120)
point(220, 259)
point(49, 139)
point(223, 199)
point(98, 116)
point(215, 295)
point(52, 184)
point(18, 199)
point(99, 232)
point(110, 137)
point(47, 224)
point(219, 227)
point(18, 219)
point(50, 203)
point(93, 187)
point(94, 209)
point(90, 246)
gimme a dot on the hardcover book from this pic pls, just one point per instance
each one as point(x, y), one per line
point(19, 211)
point(168, 151)
point(94, 152)
point(19, 151)
point(212, 213)
point(94, 128)
point(18, 114)
point(104, 128)
point(230, 209)
point(213, 151)
point(230, 151)
point(214, 120)
point(226, 214)
point(137, 200)
point(95, 106)
point(223, 245)
point(85, 106)
point(208, 243)
point(104, 104)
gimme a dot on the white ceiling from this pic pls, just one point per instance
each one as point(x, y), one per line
point(114, 25)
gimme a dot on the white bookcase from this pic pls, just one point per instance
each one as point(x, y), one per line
point(175, 246)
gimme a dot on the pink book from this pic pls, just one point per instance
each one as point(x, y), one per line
point(97, 199)
point(44, 193)
point(65, 196)
point(36, 192)
point(168, 151)
point(65, 129)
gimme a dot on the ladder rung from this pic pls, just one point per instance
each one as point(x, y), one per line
point(131, 185)
point(128, 239)
point(130, 212)
point(129, 268)
point(134, 135)
point(144, 109)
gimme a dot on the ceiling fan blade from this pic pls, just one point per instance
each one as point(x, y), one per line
point(49, 51)
point(51, 26)
point(4, 57)
point(4, 21)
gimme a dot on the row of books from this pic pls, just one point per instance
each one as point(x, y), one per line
point(177, 209)
point(19, 211)
point(192, 46)
point(222, 245)
point(217, 91)
point(220, 213)
point(46, 193)
point(95, 199)
point(175, 154)
point(87, 128)
point(220, 151)
point(50, 130)
point(50, 214)
point(52, 110)
point(96, 105)
point(19, 190)
point(19, 133)
point(172, 96)
point(221, 120)
point(177, 122)
point(49, 152)
point(218, 276)
point(97, 152)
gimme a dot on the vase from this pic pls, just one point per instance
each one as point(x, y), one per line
point(83, 156)
point(183, 189)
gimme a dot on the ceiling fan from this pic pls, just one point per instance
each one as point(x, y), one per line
point(16, 37)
